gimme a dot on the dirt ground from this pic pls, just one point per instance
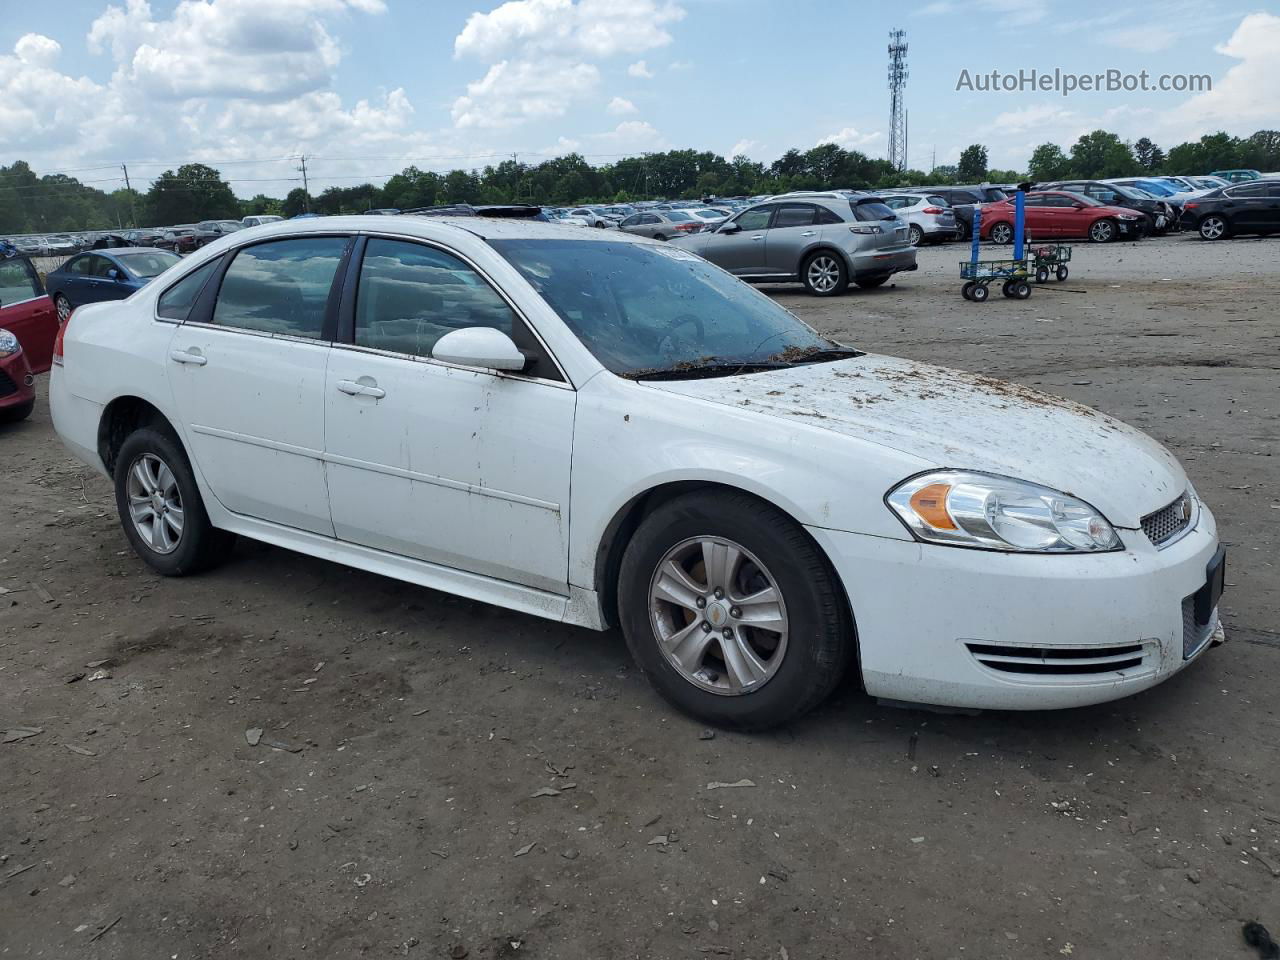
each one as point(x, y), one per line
point(389, 808)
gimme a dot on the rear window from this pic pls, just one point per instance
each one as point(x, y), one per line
point(871, 210)
point(940, 201)
point(675, 216)
point(149, 264)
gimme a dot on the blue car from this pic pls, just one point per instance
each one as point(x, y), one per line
point(105, 275)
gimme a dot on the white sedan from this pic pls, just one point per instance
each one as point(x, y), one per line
point(598, 429)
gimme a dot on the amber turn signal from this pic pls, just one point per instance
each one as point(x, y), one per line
point(930, 505)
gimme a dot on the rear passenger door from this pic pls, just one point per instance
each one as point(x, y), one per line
point(247, 370)
point(458, 466)
point(793, 230)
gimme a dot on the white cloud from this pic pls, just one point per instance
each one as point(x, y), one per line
point(630, 136)
point(679, 66)
point(1043, 117)
point(517, 90)
point(37, 50)
point(620, 106)
point(935, 9)
point(1244, 98)
point(743, 148)
point(851, 138)
point(591, 29)
point(1145, 39)
point(640, 69)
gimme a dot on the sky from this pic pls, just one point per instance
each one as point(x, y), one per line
point(363, 88)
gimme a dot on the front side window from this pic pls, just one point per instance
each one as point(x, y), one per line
point(280, 287)
point(641, 308)
point(411, 295)
point(100, 267)
point(17, 283)
point(176, 302)
point(757, 219)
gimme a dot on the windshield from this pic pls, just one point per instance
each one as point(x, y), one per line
point(149, 264)
point(677, 216)
point(643, 308)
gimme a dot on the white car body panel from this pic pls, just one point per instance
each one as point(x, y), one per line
point(508, 489)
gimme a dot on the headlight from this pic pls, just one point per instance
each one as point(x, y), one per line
point(999, 513)
point(8, 344)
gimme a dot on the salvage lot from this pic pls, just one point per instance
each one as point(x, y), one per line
point(396, 814)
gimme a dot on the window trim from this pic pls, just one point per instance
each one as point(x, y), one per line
point(201, 314)
point(155, 304)
point(345, 339)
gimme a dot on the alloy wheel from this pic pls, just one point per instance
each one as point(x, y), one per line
point(718, 615)
point(1101, 231)
point(1211, 228)
point(63, 308)
point(155, 503)
point(823, 273)
point(1001, 233)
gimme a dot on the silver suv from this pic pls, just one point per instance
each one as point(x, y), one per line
point(823, 240)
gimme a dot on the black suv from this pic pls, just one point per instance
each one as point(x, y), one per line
point(1160, 216)
point(963, 199)
point(1252, 206)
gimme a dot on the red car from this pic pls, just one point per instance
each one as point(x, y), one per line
point(1056, 214)
point(17, 395)
point(26, 310)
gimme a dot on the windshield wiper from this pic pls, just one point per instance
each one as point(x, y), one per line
point(794, 355)
point(693, 371)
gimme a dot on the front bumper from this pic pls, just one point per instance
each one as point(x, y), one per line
point(979, 629)
point(17, 385)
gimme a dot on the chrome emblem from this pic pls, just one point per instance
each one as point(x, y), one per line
point(716, 615)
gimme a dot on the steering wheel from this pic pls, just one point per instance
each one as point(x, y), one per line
point(668, 338)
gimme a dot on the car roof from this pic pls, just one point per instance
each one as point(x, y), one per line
point(427, 227)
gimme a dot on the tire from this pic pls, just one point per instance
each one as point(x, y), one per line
point(1021, 290)
point(1001, 233)
point(813, 649)
point(1213, 227)
point(967, 290)
point(980, 293)
point(1102, 231)
point(824, 274)
point(915, 235)
point(1042, 275)
point(870, 283)
point(659, 236)
point(197, 544)
point(63, 307)
point(1006, 288)
point(1062, 272)
point(20, 412)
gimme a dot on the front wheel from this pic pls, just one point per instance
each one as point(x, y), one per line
point(732, 611)
point(1002, 233)
point(1102, 231)
point(1062, 271)
point(915, 235)
point(1213, 227)
point(1042, 274)
point(160, 506)
point(825, 275)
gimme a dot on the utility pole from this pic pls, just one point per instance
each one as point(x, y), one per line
point(306, 189)
point(133, 216)
point(897, 115)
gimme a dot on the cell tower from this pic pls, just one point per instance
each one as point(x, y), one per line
point(897, 114)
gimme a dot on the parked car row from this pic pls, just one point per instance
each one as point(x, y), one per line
point(179, 238)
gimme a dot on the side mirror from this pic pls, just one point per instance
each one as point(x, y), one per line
point(1078, 205)
point(729, 226)
point(479, 347)
point(114, 274)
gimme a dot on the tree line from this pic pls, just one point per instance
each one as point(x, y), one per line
point(41, 204)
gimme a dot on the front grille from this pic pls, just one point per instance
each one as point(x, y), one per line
point(1194, 635)
point(1057, 661)
point(1168, 522)
point(7, 386)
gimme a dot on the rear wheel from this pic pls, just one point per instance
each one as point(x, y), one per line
point(732, 611)
point(980, 293)
point(1042, 274)
point(63, 306)
point(967, 290)
point(1102, 231)
point(825, 275)
point(1021, 290)
point(1213, 227)
point(659, 236)
point(160, 506)
point(1001, 233)
point(1062, 271)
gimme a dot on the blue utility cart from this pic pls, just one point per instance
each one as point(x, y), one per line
point(978, 274)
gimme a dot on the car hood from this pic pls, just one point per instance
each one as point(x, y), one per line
point(961, 420)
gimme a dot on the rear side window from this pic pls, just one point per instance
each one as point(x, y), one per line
point(411, 295)
point(176, 302)
point(79, 266)
point(793, 215)
point(827, 216)
point(16, 282)
point(871, 210)
point(280, 287)
point(1246, 190)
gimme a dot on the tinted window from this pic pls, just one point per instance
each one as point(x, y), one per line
point(940, 201)
point(1036, 202)
point(176, 302)
point(871, 210)
point(149, 264)
point(280, 287)
point(756, 219)
point(1246, 190)
point(630, 221)
point(16, 282)
point(99, 266)
point(641, 307)
point(411, 295)
point(79, 266)
point(826, 216)
point(794, 215)
point(678, 216)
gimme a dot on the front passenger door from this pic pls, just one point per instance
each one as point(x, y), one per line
point(743, 251)
point(247, 370)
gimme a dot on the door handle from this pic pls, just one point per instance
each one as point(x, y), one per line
point(353, 389)
point(758, 236)
point(182, 356)
point(809, 233)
